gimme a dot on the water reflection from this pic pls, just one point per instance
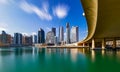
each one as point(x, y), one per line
point(31, 59)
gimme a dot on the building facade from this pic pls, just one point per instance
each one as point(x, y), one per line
point(74, 34)
point(61, 34)
point(34, 37)
point(5, 39)
point(17, 38)
point(67, 33)
point(41, 36)
point(54, 31)
point(50, 38)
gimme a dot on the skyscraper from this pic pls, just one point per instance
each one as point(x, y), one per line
point(17, 38)
point(61, 34)
point(67, 33)
point(50, 38)
point(74, 34)
point(54, 31)
point(34, 39)
point(41, 36)
point(5, 39)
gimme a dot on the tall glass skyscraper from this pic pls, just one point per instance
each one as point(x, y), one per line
point(74, 34)
point(50, 38)
point(61, 34)
point(34, 39)
point(17, 38)
point(67, 33)
point(54, 31)
point(41, 36)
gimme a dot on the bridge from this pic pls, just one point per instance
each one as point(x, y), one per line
point(103, 20)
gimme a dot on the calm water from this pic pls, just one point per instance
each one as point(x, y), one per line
point(31, 59)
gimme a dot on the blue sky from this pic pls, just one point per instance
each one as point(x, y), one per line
point(27, 16)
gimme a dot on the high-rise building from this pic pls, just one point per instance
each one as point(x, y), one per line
point(61, 34)
point(5, 39)
point(67, 33)
point(55, 40)
point(74, 34)
point(34, 39)
point(17, 38)
point(54, 31)
point(50, 38)
point(41, 36)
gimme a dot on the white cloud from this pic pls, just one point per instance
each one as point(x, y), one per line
point(3, 26)
point(6, 1)
point(42, 13)
point(34, 33)
point(61, 11)
point(48, 29)
point(25, 34)
point(3, 29)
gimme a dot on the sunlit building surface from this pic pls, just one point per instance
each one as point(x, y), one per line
point(61, 34)
point(34, 39)
point(74, 34)
point(67, 33)
point(50, 38)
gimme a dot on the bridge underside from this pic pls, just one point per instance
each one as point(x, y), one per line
point(103, 19)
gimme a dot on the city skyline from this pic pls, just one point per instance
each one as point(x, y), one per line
point(28, 16)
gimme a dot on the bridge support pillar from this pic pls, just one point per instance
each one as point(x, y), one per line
point(83, 44)
point(93, 43)
point(103, 43)
point(114, 43)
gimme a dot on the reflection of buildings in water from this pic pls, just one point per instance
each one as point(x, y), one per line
point(74, 53)
point(35, 51)
point(81, 50)
point(93, 55)
point(103, 52)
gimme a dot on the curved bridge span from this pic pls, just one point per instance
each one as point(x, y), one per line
point(103, 19)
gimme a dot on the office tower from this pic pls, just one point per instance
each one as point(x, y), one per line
point(54, 31)
point(17, 38)
point(28, 40)
point(41, 36)
point(74, 34)
point(5, 39)
point(34, 39)
point(50, 38)
point(61, 34)
point(67, 33)
point(55, 40)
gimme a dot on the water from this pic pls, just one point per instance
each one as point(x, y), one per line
point(31, 59)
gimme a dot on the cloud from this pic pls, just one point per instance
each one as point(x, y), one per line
point(48, 29)
point(4, 2)
point(42, 13)
point(34, 33)
point(25, 34)
point(61, 11)
point(3, 29)
point(3, 26)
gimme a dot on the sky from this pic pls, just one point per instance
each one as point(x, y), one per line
point(27, 16)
